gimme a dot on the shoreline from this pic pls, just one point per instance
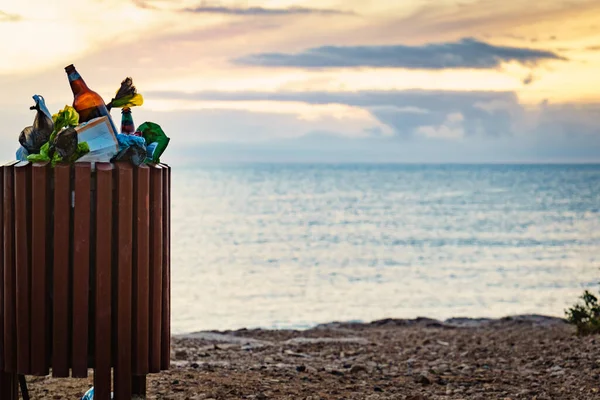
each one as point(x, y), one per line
point(449, 322)
point(517, 357)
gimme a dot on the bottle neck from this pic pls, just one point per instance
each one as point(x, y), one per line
point(77, 83)
point(127, 126)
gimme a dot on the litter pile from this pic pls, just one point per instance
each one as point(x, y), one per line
point(85, 132)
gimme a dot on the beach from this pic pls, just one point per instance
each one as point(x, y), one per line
point(521, 357)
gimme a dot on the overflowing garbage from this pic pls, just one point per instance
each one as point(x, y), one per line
point(85, 131)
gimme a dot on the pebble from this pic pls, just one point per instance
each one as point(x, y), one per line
point(440, 369)
point(356, 369)
point(422, 379)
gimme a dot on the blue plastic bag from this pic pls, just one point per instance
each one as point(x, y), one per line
point(131, 148)
point(22, 154)
point(89, 395)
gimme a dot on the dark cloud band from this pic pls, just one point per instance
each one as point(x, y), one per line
point(466, 53)
point(261, 11)
point(249, 11)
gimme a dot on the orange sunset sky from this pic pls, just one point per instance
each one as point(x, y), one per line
point(307, 80)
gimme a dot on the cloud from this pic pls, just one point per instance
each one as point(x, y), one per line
point(465, 53)
point(6, 17)
point(419, 99)
point(452, 128)
point(341, 119)
point(429, 21)
point(528, 79)
point(262, 11)
point(250, 11)
point(445, 115)
point(485, 113)
point(144, 4)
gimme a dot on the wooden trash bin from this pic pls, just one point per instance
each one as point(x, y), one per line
point(84, 274)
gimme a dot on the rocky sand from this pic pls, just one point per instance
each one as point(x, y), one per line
point(525, 357)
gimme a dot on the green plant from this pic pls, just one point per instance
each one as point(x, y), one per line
point(585, 316)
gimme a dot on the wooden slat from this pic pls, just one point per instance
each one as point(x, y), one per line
point(81, 267)
point(22, 262)
point(15, 386)
point(1, 276)
point(10, 338)
point(14, 383)
point(103, 277)
point(165, 357)
point(4, 376)
point(5, 392)
point(39, 272)
point(139, 386)
point(8, 386)
point(156, 262)
point(141, 270)
point(169, 258)
point(60, 312)
point(123, 370)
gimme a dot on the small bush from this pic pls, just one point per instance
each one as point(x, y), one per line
point(585, 316)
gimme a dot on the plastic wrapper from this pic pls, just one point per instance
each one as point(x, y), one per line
point(89, 395)
point(150, 151)
point(127, 96)
point(98, 133)
point(22, 154)
point(132, 148)
point(130, 140)
point(153, 133)
point(33, 137)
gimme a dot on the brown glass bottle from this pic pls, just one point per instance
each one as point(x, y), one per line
point(86, 102)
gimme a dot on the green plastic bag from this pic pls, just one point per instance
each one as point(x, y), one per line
point(82, 149)
point(153, 133)
point(67, 117)
point(42, 155)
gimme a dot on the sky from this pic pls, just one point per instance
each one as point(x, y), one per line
point(321, 81)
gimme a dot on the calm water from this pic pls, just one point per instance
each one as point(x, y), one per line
point(265, 245)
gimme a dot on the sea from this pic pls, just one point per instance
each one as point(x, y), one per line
point(295, 245)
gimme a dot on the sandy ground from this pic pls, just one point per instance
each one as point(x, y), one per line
point(527, 357)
